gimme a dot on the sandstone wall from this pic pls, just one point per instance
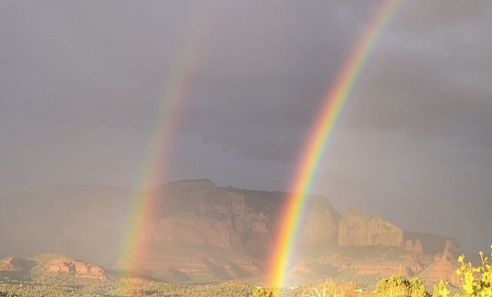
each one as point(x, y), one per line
point(320, 226)
point(77, 268)
point(357, 228)
point(199, 231)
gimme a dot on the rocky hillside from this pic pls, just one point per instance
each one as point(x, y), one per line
point(200, 232)
point(51, 266)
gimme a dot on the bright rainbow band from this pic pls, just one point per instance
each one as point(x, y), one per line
point(316, 142)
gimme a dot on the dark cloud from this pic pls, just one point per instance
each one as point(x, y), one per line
point(80, 84)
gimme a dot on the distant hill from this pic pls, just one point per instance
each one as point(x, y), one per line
point(203, 232)
point(50, 266)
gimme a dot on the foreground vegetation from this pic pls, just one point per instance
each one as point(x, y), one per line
point(476, 281)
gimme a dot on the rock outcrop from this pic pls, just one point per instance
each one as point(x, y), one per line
point(196, 230)
point(357, 228)
point(16, 268)
point(444, 267)
point(41, 265)
point(76, 268)
point(416, 250)
point(15, 264)
point(209, 231)
point(408, 246)
point(321, 225)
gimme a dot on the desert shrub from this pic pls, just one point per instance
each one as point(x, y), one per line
point(330, 288)
point(476, 281)
point(441, 289)
point(264, 292)
point(398, 286)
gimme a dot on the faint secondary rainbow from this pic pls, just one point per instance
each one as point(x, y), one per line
point(155, 165)
point(320, 134)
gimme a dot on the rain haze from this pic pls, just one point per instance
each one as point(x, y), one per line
point(80, 83)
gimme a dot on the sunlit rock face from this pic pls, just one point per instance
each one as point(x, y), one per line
point(204, 231)
point(321, 224)
point(76, 268)
point(198, 231)
point(444, 266)
point(203, 214)
point(50, 265)
point(357, 228)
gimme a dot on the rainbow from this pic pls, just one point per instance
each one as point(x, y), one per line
point(135, 249)
point(141, 212)
point(321, 132)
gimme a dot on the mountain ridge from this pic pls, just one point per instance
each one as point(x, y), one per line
point(202, 232)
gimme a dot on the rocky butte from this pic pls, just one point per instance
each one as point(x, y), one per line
point(204, 232)
point(359, 229)
point(51, 265)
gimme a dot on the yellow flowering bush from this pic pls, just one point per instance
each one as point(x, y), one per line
point(476, 281)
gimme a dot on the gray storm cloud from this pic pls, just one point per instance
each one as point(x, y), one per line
point(79, 83)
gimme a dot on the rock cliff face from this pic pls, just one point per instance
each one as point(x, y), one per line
point(75, 268)
point(443, 267)
point(360, 229)
point(202, 231)
point(321, 224)
point(199, 231)
point(222, 232)
point(50, 265)
point(201, 214)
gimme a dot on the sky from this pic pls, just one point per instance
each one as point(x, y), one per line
point(80, 83)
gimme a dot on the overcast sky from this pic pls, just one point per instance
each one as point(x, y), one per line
point(80, 83)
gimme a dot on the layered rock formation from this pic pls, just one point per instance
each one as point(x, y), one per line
point(209, 232)
point(357, 228)
point(50, 265)
point(444, 266)
point(321, 224)
point(197, 230)
point(75, 268)
point(415, 249)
